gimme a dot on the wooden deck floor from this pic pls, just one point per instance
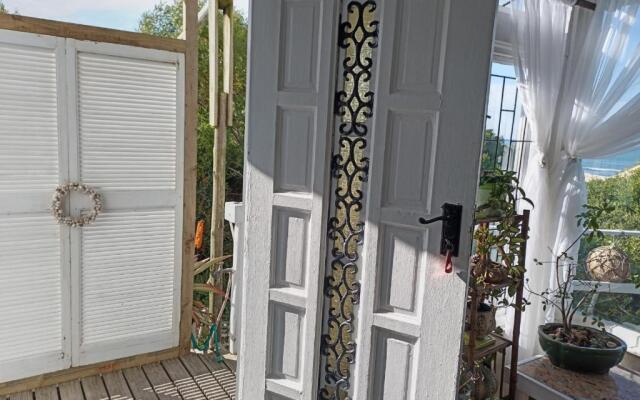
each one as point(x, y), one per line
point(195, 377)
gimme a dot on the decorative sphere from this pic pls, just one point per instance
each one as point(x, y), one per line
point(608, 264)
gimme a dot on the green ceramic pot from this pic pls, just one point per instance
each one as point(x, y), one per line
point(581, 359)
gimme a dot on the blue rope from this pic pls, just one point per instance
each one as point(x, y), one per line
point(213, 333)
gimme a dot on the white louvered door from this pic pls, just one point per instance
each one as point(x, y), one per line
point(34, 262)
point(109, 116)
point(126, 127)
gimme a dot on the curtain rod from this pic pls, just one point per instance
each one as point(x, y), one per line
point(586, 4)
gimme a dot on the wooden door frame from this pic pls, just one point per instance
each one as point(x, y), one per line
point(188, 47)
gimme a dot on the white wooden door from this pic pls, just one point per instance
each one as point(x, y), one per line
point(430, 88)
point(416, 145)
point(289, 120)
point(125, 134)
point(34, 250)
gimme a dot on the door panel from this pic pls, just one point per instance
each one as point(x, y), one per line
point(407, 132)
point(289, 115)
point(430, 91)
point(34, 263)
point(126, 142)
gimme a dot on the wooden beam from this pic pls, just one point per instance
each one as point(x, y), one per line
point(57, 377)
point(213, 63)
point(190, 24)
point(218, 198)
point(227, 60)
point(91, 33)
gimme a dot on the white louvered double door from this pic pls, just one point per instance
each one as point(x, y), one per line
point(111, 117)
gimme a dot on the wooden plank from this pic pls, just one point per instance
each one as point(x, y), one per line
point(47, 393)
point(204, 378)
point(93, 388)
point(117, 386)
point(70, 391)
point(86, 32)
point(227, 60)
point(162, 385)
point(28, 395)
point(187, 386)
point(217, 199)
point(86, 370)
point(223, 374)
point(140, 386)
point(213, 63)
point(231, 361)
point(211, 363)
point(190, 13)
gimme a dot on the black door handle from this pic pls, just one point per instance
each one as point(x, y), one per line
point(451, 223)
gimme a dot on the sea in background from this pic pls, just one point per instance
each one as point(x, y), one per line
point(611, 165)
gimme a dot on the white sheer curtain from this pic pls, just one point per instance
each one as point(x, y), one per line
point(581, 96)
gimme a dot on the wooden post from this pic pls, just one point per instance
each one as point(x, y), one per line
point(190, 24)
point(227, 57)
point(213, 63)
point(218, 197)
point(221, 118)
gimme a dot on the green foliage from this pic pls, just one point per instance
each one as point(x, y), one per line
point(505, 192)
point(165, 19)
point(562, 297)
point(492, 151)
point(3, 8)
point(623, 192)
point(502, 238)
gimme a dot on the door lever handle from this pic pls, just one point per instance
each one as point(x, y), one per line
point(451, 223)
point(432, 220)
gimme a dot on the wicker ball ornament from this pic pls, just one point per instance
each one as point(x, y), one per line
point(62, 191)
point(608, 264)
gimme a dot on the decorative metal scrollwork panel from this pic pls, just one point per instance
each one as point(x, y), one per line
point(350, 167)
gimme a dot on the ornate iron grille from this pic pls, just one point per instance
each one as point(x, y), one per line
point(350, 165)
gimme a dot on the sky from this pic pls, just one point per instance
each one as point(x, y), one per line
point(117, 14)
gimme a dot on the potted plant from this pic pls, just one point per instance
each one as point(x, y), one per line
point(494, 265)
point(502, 237)
point(568, 345)
point(497, 193)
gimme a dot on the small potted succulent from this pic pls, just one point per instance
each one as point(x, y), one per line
point(577, 347)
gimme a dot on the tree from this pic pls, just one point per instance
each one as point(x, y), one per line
point(623, 191)
point(492, 150)
point(165, 19)
point(3, 9)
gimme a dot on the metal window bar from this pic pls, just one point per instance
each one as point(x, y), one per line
point(512, 141)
